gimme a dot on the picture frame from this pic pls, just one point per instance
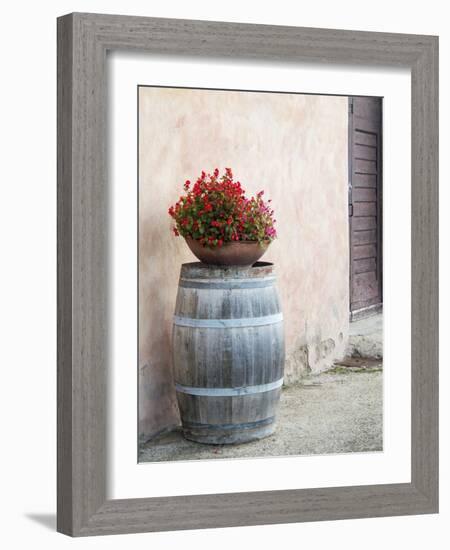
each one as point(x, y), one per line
point(83, 41)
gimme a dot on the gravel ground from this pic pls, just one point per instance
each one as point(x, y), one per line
point(366, 337)
point(339, 411)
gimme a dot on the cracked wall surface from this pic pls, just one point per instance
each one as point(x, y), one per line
point(295, 148)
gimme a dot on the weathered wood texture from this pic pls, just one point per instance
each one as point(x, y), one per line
point(82, 276)
point(365, 194)
point(228, 352)
point(83, 240)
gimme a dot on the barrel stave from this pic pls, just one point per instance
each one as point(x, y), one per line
point(225, 410)
point(222, 303)
point(247, 356)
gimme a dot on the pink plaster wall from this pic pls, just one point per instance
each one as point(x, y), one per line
point(292, 146)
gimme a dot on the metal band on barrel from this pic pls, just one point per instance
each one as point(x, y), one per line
point(242, 426)
point(227, 284)
point(228, 323)
point(229, 392)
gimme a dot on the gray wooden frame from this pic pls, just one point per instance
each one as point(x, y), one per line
point(83, 40)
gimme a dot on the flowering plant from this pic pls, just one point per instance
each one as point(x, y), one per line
point(216, 211)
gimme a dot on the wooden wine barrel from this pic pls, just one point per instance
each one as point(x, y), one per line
point(228, 352)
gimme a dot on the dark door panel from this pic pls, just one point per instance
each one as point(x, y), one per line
point(364, 237)
point(364, 209)
point(365, 265)
point(362, 166)
point(364, 222)
point(364, 180)
point(364, 251)
point(365, 196)
point(365, 286)
point(365, 152)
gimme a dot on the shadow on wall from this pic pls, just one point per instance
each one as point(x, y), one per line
point(158, 409)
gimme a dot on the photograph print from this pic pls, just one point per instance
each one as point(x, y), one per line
point(260, 274)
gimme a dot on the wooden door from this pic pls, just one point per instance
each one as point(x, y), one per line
point(365, 208)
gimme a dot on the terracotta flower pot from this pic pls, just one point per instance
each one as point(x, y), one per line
point(240, 253)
